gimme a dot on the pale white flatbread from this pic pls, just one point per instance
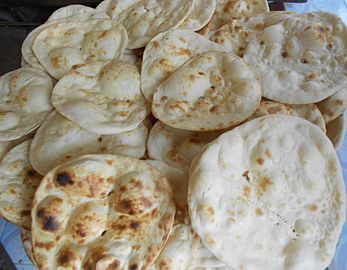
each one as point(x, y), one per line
point(25, 101)
point(59, 140)
point(6, 146)
point(200, 15)
point(67, 43)
point(248, 195)
point(166, 53)
point(336, 130)
point(212, 91)
point(69, 12)
point(300, 60)
point(309, 112)
point(333, 106)
point(101, 212)
point(177, 147)
point(28, 245)
point(18, 183)
point(103, 98)
point(144, 19)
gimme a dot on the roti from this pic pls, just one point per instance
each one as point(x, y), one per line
point(18, 185)
point(336, 130)
point(212, 91)
point(177, 147)
point(260, 173)
point(166, 53)
point(333, 106)
point(59, 140)
point(25, 101)
point(144, 19)
point(93, 96)
point(309, 112)
point(301, 59)
point(65, 44)
point(101, 212)
point(28, 245)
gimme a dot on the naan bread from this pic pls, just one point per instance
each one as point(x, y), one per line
point(179, 183)
point(59, 140)
point(333, 106)
point(177, 147)
point(302, 59)
point(103, 98)
point(76, 12)
point(310, 112)
point(200, 15)
point(25, 101)
point(248, 195)
point(185, 251)
point(212, 91)
point(67, 43)
point(28, 246)
point(166, 53)
point(18, 182)
point(336, 130)
point(101, 212)
point(227, 10)
point(144, 19)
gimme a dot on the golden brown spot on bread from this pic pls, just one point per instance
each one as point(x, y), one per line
point(284, 54)
point(211, 211)
point(274, 109)
point(260, 161)
point(146, 202)
point(313, 208)
point(339, 102)
point(163, 98)
point(156, 44)
point(65, 257)
point(215, 109)
point(246, 192)
point(311, 76)
point(48, 222)
point(268, 153)
point(194, 140)
point(134, 267)
point(64, 179)
point(259, 212)
point(109, 162)
point(230, 6)
point(183, 51)
point(113, 266)
point(134, 225)
point(191, 77)
point(166, 64)
point(263, 185)
point(95, 255)
point(55, 62)
point(44, 245)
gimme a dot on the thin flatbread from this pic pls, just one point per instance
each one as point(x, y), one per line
point(101, 212)
point(333, 106)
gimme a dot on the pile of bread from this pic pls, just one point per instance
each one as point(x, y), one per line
point(176, 134)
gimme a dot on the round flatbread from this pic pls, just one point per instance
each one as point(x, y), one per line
point(101, 212)
point(59, 140)
point(25, 101)
point(184, 250)
point(28, 245)
point(200, 15)
point(18, 183)
point(76, 12)
point(333, 106)
point(177, 147)
point(144, 19)
point(179, 183)
point(248, 198)
point(67, 43)
point(103, 98)
point(301, 59)
point(233, 9)
point(166, 53)
point(336, 130)
point(212, 91)
point(310, 112)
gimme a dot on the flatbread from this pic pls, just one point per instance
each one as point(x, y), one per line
point(6, 146)
point(65, 13)
point(101, 212)
point(166, 53)
point(25, 101)
point(68, 43)
point(103, 98)
point(28, 245)
point(233, 9)
point(300, 60)
point(212, 91)
point(200, 15)
point(248, 195)
point(184, 250)
point(310, 112)
point(336, 130)
point(59, 140)
point(179, 183)
point(18, 184)
point(333, 106)
point(144, 19)
point(177, 147)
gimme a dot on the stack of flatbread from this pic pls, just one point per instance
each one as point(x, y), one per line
point(176, 135)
